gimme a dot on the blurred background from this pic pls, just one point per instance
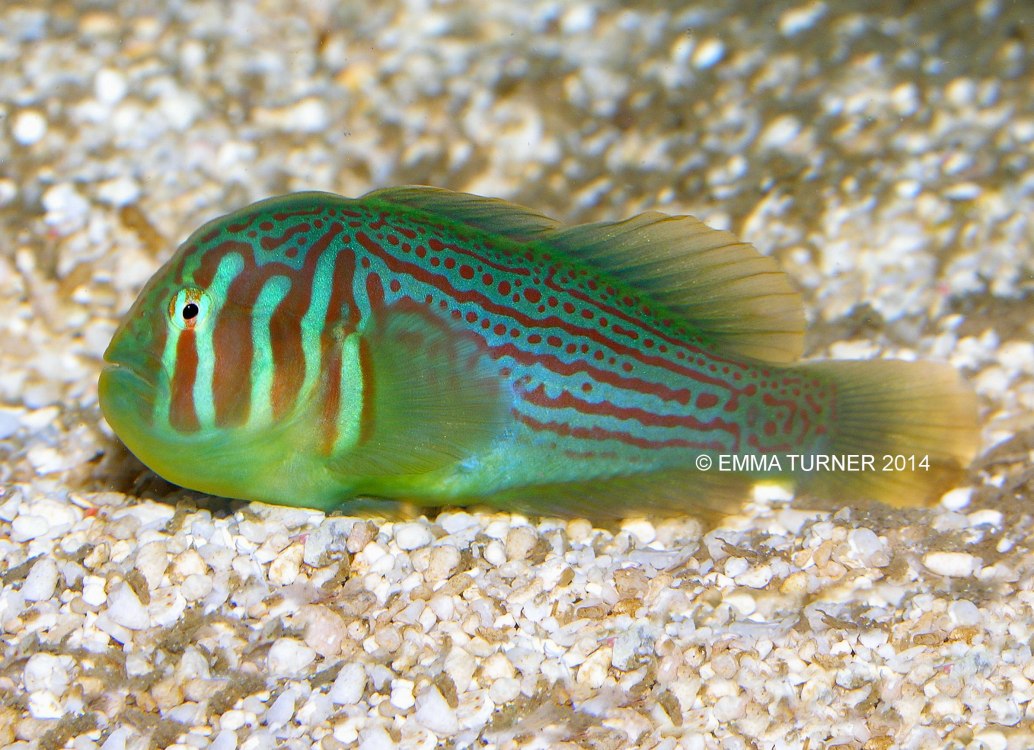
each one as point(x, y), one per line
point(882, 151)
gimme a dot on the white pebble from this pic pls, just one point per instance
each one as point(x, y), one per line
point(192, 665)
point(780, 132)
point(349, 686)
point(756, 578)
point(9, 424)
point(410, 536)
point(992, 739)
point(729, 708)
point(958, 498)
point(284, 569)
point(520, 541)
point(908, 189)
point(377, 738)
point(326, 538)
point(402, 696)
point(41, 580)
point(496, 666)
point(152, 559)
point(961, 92)
point(434, 713)
point(45, 705)
point(744, 604)
point(282, 710)
point(628, 647)
point(709, 53)
point(45, 672)
point(8, 191)
point(643, 531)
point(324, 629)
point(94, 593)
point(951, 564)
point(1017, 356)
point(26, 528)
point(965, 613)
point(494, 553)
point(801, 18)
point(196, 587)
point(455, 522)
point(460, 666)
point(578, 19)
point(963, 191)
point(66, 209)
point(444, 559)
point(443, 607)
point(189, 563)
point(225, 740)
point(109, 86)
point(47, 460)
point(986, 517)
point(736, 566)
point(116, 740)
point(1004, 710)
point(593, 671)
point(314, 711)
point(307, 116)
point(121, 191)
point(504, 690)
point(29, 127)
point(233, 719)
point(125, 609)
point(872, 639)
point(864, 544)
point(288, 657)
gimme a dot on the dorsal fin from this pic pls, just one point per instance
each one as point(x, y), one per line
point(723, 287)
point(487, 214)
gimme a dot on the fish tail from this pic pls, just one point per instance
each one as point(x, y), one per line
point(917, 420)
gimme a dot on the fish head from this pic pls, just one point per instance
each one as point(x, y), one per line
point(136, 376)
point(175, 383)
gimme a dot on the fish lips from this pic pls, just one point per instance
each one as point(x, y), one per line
point(129, 384)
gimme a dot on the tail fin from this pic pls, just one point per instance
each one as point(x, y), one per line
point(921, 412)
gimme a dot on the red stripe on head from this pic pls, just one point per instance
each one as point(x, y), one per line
point(341, 319)
point(182, 413)
point(341, 307)
point(330, 402)
point(285, 339)
point(286, 327)
point(231, 376)
point(366, 417)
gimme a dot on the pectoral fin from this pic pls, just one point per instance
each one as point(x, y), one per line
point(429, 400)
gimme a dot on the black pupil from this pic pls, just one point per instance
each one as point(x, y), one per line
point(190, 310)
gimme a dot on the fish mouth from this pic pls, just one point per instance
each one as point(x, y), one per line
point(129, 384)
point(127, 377)
point(123, 357)
point(122, 392)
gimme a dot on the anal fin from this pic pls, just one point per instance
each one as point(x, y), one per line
point(711, 497)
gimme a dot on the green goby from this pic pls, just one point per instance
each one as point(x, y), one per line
point(441, 348)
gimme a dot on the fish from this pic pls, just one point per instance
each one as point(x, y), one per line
point(421, 346)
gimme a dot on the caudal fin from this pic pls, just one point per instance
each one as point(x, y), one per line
point(917, 419)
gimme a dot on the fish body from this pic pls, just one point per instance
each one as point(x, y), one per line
point(442, 348)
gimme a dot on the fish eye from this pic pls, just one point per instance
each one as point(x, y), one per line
point(188, 308)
